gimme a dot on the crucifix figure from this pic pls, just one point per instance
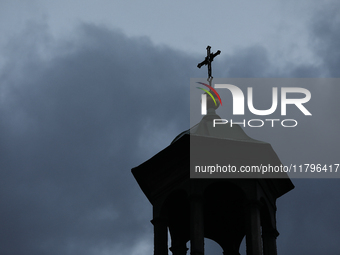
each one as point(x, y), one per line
point(207, 61)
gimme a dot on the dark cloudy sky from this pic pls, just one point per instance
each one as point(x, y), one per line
point(87, 92)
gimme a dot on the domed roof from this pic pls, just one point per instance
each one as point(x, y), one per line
point(226, 131)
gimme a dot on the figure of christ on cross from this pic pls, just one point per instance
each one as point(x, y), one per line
point(207, 61)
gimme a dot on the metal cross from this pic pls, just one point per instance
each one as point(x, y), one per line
point(208, 59)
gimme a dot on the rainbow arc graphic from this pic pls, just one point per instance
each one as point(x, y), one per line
point(209, 93)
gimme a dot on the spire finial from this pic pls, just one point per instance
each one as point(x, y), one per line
point(207, 61)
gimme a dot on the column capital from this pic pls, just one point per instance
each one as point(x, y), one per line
point(269, 241)
point(270, 232)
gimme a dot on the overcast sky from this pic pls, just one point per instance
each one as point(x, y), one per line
point(87, 90)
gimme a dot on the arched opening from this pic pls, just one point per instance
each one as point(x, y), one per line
point(211, 247)
point(243, 247)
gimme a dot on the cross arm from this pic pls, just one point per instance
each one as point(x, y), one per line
point(212, 56)
point(204, 62)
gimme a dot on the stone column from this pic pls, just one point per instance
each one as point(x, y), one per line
point(196, 225)
point(160, 236)
point(253, 228)
point(269, 240)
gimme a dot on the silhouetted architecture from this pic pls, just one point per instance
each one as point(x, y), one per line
point(224, 210)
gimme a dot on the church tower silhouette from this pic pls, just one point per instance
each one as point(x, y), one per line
point(222, 209)
point(192, 207)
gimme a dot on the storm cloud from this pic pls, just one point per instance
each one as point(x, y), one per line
point(77, 114)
